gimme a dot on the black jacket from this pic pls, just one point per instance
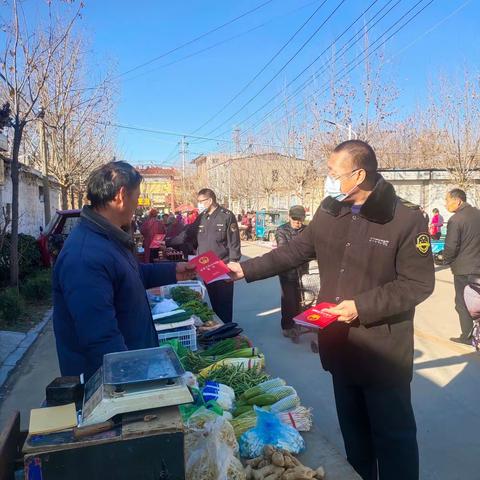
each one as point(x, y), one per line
point(381, 259)
point(462, 245)
point(284, 234)
point(217, 232)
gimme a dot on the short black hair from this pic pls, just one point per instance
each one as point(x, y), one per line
point(458, 194)
point(209, 193)
point(435, 210)
point(362, 154)
point(106, 181)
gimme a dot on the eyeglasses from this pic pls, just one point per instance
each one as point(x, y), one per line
point(338, 177)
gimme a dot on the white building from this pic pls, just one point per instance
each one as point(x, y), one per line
point(428, 187)
point(31, 209)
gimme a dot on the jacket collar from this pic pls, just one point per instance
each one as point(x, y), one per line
point(105, 227)
point(378, 208)
point(288, 227)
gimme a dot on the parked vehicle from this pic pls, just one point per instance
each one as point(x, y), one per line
point(267, 221)
point(53, 237)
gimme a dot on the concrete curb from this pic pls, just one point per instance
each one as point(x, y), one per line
point(22, 348)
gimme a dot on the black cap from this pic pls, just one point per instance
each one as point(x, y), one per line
point(297, 212)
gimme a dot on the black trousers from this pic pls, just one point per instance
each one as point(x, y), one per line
point(379, 430)
point(221, 298)
point(290, 302)
point(466, 321)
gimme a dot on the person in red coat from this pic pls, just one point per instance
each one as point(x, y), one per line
point(191, 217)
point(149, 229)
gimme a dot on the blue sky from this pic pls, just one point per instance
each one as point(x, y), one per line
point(180, 97)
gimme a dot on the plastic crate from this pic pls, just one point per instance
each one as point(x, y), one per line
point(187, 336)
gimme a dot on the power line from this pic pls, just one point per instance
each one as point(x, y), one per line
point(285, 45)
point(182, 134)
point(222, 42)
point(431, 29)
point(193, 40)
point(310, 38)
point(325, 67)
point(302, 104)
point(198, 52)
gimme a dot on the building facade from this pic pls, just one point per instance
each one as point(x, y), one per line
point(30, 198)
point(428, 187)
point(268, 181)
point(158, 188)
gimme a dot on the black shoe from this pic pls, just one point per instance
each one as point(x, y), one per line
point(460, 339)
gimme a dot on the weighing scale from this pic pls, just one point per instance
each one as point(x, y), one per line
point(132, 381)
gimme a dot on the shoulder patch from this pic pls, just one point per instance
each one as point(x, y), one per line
point(233, 227)
point(422, 244)
point(409, 204)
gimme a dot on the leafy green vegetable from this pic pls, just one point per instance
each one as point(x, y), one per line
point(198, 308)
point(183, 295)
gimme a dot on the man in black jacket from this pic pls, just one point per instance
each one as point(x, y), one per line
point(216, 230)
point(290, 280)
point(462, 253)
point(375, 262)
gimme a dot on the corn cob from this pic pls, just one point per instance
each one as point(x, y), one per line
point(263, 388)
point(273, 395)
point(286, 403)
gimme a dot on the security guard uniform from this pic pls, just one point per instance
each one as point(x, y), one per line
point(218, 232)
point(379, 257)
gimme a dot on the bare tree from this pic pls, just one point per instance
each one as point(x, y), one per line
point(76, 118)
point(454, 113)
point(25, 68)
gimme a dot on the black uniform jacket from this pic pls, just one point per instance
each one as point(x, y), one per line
point(462, 245)
point(381, 259)
point(218, 233)
point(284, 234)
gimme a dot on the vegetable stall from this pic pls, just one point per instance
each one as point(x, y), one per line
point(202, 406)
point(243, 423)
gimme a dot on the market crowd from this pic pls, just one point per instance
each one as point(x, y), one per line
point(375, 263)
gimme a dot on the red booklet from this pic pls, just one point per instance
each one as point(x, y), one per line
point(157, 240)
point(210, 267)
point(316, 317)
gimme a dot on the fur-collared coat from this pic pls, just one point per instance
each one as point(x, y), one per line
point(381, 259)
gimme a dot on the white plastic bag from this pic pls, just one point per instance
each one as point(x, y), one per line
point(211, 449)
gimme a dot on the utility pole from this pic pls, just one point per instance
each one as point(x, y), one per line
point(44, 159)
point(183, 151)
point(229, 166)
point(236, 141)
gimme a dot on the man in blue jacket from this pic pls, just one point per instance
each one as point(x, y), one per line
point(100, 303)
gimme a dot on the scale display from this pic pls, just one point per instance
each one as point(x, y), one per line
point(137, 366)
point(132, 381)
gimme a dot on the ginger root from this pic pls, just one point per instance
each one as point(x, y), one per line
point(320, 473)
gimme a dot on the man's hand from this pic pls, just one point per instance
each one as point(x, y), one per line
point(185, 272)
point(346, 310)
point(236, 271)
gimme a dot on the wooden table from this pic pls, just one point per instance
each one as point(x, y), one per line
point(140, 450)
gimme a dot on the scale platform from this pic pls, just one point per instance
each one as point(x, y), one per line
point(132, 381)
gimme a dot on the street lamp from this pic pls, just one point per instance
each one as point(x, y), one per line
point(346, 127)
point(44, 157)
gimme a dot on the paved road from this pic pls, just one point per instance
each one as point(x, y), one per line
point(446, 385)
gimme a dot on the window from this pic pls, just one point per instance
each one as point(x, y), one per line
point(70, 223)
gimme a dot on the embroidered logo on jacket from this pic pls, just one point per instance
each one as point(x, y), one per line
point(379, 241)
point(422, 243)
